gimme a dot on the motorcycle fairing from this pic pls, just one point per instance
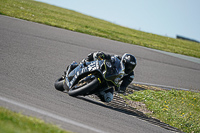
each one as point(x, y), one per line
point(113, 72)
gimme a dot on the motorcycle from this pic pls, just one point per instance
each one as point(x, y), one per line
point(91, 77)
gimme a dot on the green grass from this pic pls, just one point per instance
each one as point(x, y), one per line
point(180, 109)
point(74, 21)
point(11, 122)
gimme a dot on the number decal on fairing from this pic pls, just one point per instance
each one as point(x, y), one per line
point(93, 66)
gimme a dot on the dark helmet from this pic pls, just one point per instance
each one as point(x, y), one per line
point(129, 62)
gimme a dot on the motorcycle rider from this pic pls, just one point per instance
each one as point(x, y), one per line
point(129, 62)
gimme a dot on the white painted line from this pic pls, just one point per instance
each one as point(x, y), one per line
point(50, 115)
point(184, 57)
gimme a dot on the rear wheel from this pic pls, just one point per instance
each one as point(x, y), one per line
point(84, 86)
point(59, 84)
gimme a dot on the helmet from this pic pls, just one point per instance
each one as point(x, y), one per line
point(129, 62)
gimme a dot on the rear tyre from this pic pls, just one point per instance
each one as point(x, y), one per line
point(59, 84)
point(83, 89)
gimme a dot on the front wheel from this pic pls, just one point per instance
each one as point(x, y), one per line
point(82, 88)
point(59, 84)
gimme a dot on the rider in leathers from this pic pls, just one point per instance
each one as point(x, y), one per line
point(129, 62)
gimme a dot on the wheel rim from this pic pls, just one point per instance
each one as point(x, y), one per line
point(84, 81)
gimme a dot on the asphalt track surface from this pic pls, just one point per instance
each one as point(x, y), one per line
point(33, 56)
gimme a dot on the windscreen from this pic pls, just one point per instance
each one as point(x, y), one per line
point(114, 70)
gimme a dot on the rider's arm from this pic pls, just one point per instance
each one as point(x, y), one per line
point(98, 55)
point(90, 57)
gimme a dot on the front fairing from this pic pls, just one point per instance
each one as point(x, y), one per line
point(83, 69)
point(111, 71)
point(114, 71)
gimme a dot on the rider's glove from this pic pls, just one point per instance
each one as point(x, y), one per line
point(100, 55)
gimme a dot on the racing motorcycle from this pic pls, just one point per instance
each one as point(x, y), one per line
point(91, 77)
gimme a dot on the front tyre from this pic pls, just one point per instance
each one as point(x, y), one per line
point(83, 89)
point(59, 84)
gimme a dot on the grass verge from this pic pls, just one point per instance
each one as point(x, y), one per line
point(11, 122)
point(180, 109)
point(59, 17)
